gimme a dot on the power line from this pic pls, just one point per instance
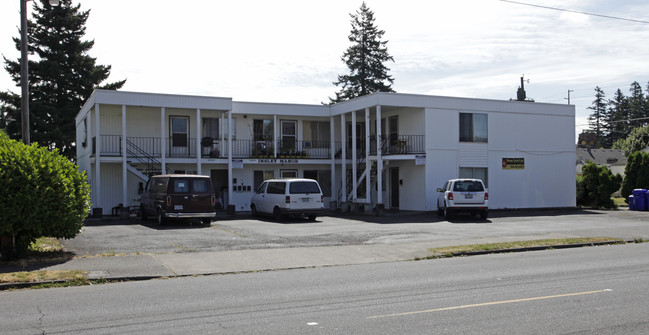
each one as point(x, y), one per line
point(576, 11)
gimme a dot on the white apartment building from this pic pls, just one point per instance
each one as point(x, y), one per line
point(388, 150)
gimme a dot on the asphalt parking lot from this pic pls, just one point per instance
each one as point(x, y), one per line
point(132, 236)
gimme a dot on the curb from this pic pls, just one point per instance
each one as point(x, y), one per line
point(546, 247)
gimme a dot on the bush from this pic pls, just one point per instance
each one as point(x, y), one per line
point(43, 194)
point(596, 186)
point(636, 173)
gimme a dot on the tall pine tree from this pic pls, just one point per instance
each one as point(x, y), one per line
point(61, 76)
point(365, 59)
point(596, 119)
point(636, 106)
point(617, 126)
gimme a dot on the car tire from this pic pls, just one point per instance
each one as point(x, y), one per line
point(253, 208)
point(440, 210)
point(312, 217)
point(484, 214)
point(277, 214)
point(162, 220)
point(143, 216)
point(447, 213)
point(207, 221)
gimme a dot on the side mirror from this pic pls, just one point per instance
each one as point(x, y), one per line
point(439, 189)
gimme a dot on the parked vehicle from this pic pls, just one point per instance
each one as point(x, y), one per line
point(178, 196)
point(463, 195)
point(291, 196)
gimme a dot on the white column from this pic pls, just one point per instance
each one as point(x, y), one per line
point(354, 158)
point(343, 176)
point(379, 158)
point(332, 146)
point(124, 163)
point(368, 164)
point(222, 132)
point(163, 142)
point(97, 187)
point(230, 193)
point(275, 136)
point(199, 149)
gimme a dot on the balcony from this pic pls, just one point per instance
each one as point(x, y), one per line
point(111, 145)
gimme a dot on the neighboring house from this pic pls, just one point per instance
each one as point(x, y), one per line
point(614, 159)
point(386, 150)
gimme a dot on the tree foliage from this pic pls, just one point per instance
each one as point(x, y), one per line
point(596, 186)
point(61, 76)
point(44, 194)
point(638, 140)
point(636, 173)
point(365, 59)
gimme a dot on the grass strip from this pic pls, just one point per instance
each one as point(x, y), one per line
point(465, 249)
point(42, 276)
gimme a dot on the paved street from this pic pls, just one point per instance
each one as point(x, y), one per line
point(599, 290)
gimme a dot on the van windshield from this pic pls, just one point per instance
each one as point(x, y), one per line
point(304, 187)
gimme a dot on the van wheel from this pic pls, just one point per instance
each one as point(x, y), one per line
point(253, 208)
point(312, 217)
point(143, 216)
point(483, 215)
point(207, 221)
point(277, 214)
point(161, 218)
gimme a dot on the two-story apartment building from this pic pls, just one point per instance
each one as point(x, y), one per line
point(384, 149)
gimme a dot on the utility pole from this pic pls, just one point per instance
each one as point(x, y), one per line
point(569, 96)
point(24, 81)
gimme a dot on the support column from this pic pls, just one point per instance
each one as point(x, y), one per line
point(163, 142)
point(379, 159)
point(199, 148)
point(275, 136)
point(125, 201)
point(332, 146)
point(368, 163)
point(97, 186)
point(343, 176)
point(354, 159)
point(230, 184)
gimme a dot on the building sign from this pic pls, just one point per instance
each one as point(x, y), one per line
point(420, 160)
point(237, 163)
point(513, 163)
point(278, 161)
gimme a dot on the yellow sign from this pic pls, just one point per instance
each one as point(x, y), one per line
point(513, 163)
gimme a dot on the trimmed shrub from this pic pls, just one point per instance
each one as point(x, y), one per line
point(43, 194)
point(596, 185)
point(636, 173)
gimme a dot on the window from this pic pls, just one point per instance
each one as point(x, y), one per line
point(318, 133)
point(226, 128)
point(297, 187)
point(476, 173)
point(288, 173)
point(473, 127)
point(263, 130)
point(276, 187)
point(179, 131)
point(200, 185)
point(211, 128)
point(181, 185)
point(288, 135)
point(260, 176)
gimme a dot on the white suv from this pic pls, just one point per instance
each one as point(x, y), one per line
point(463, 195)
point(291, 196)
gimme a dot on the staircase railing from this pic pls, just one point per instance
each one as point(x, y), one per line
point(153, 165)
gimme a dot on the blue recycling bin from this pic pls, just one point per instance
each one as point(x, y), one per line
point(640, 195)
point(631, 202)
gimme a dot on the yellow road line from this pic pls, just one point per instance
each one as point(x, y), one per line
point(489, 304)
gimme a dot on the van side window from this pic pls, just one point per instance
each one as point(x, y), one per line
point(276, 188)
point(261, 188)
point(160, 186)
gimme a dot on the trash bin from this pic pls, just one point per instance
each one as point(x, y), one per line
point(640, 195)
point(631, 202)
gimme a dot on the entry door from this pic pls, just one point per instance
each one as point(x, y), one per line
point(394, 187)
point(220, 182)
point(289, 135)
point(179, 136)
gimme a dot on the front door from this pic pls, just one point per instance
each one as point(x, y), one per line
point(394, 187)
point(289, 136)
point(220, 182)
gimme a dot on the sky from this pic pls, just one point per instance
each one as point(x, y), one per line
point(289, 51)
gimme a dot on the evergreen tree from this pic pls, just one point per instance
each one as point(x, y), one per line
point(61, 76)
point(636, 106)
point(618, 125)
point(596, 120)
point(365, 59)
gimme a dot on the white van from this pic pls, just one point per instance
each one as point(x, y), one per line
point(290, 196)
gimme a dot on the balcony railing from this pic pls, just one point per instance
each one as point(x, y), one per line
point(182, 147)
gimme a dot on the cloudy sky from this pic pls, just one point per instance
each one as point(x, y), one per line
point(289, 50)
